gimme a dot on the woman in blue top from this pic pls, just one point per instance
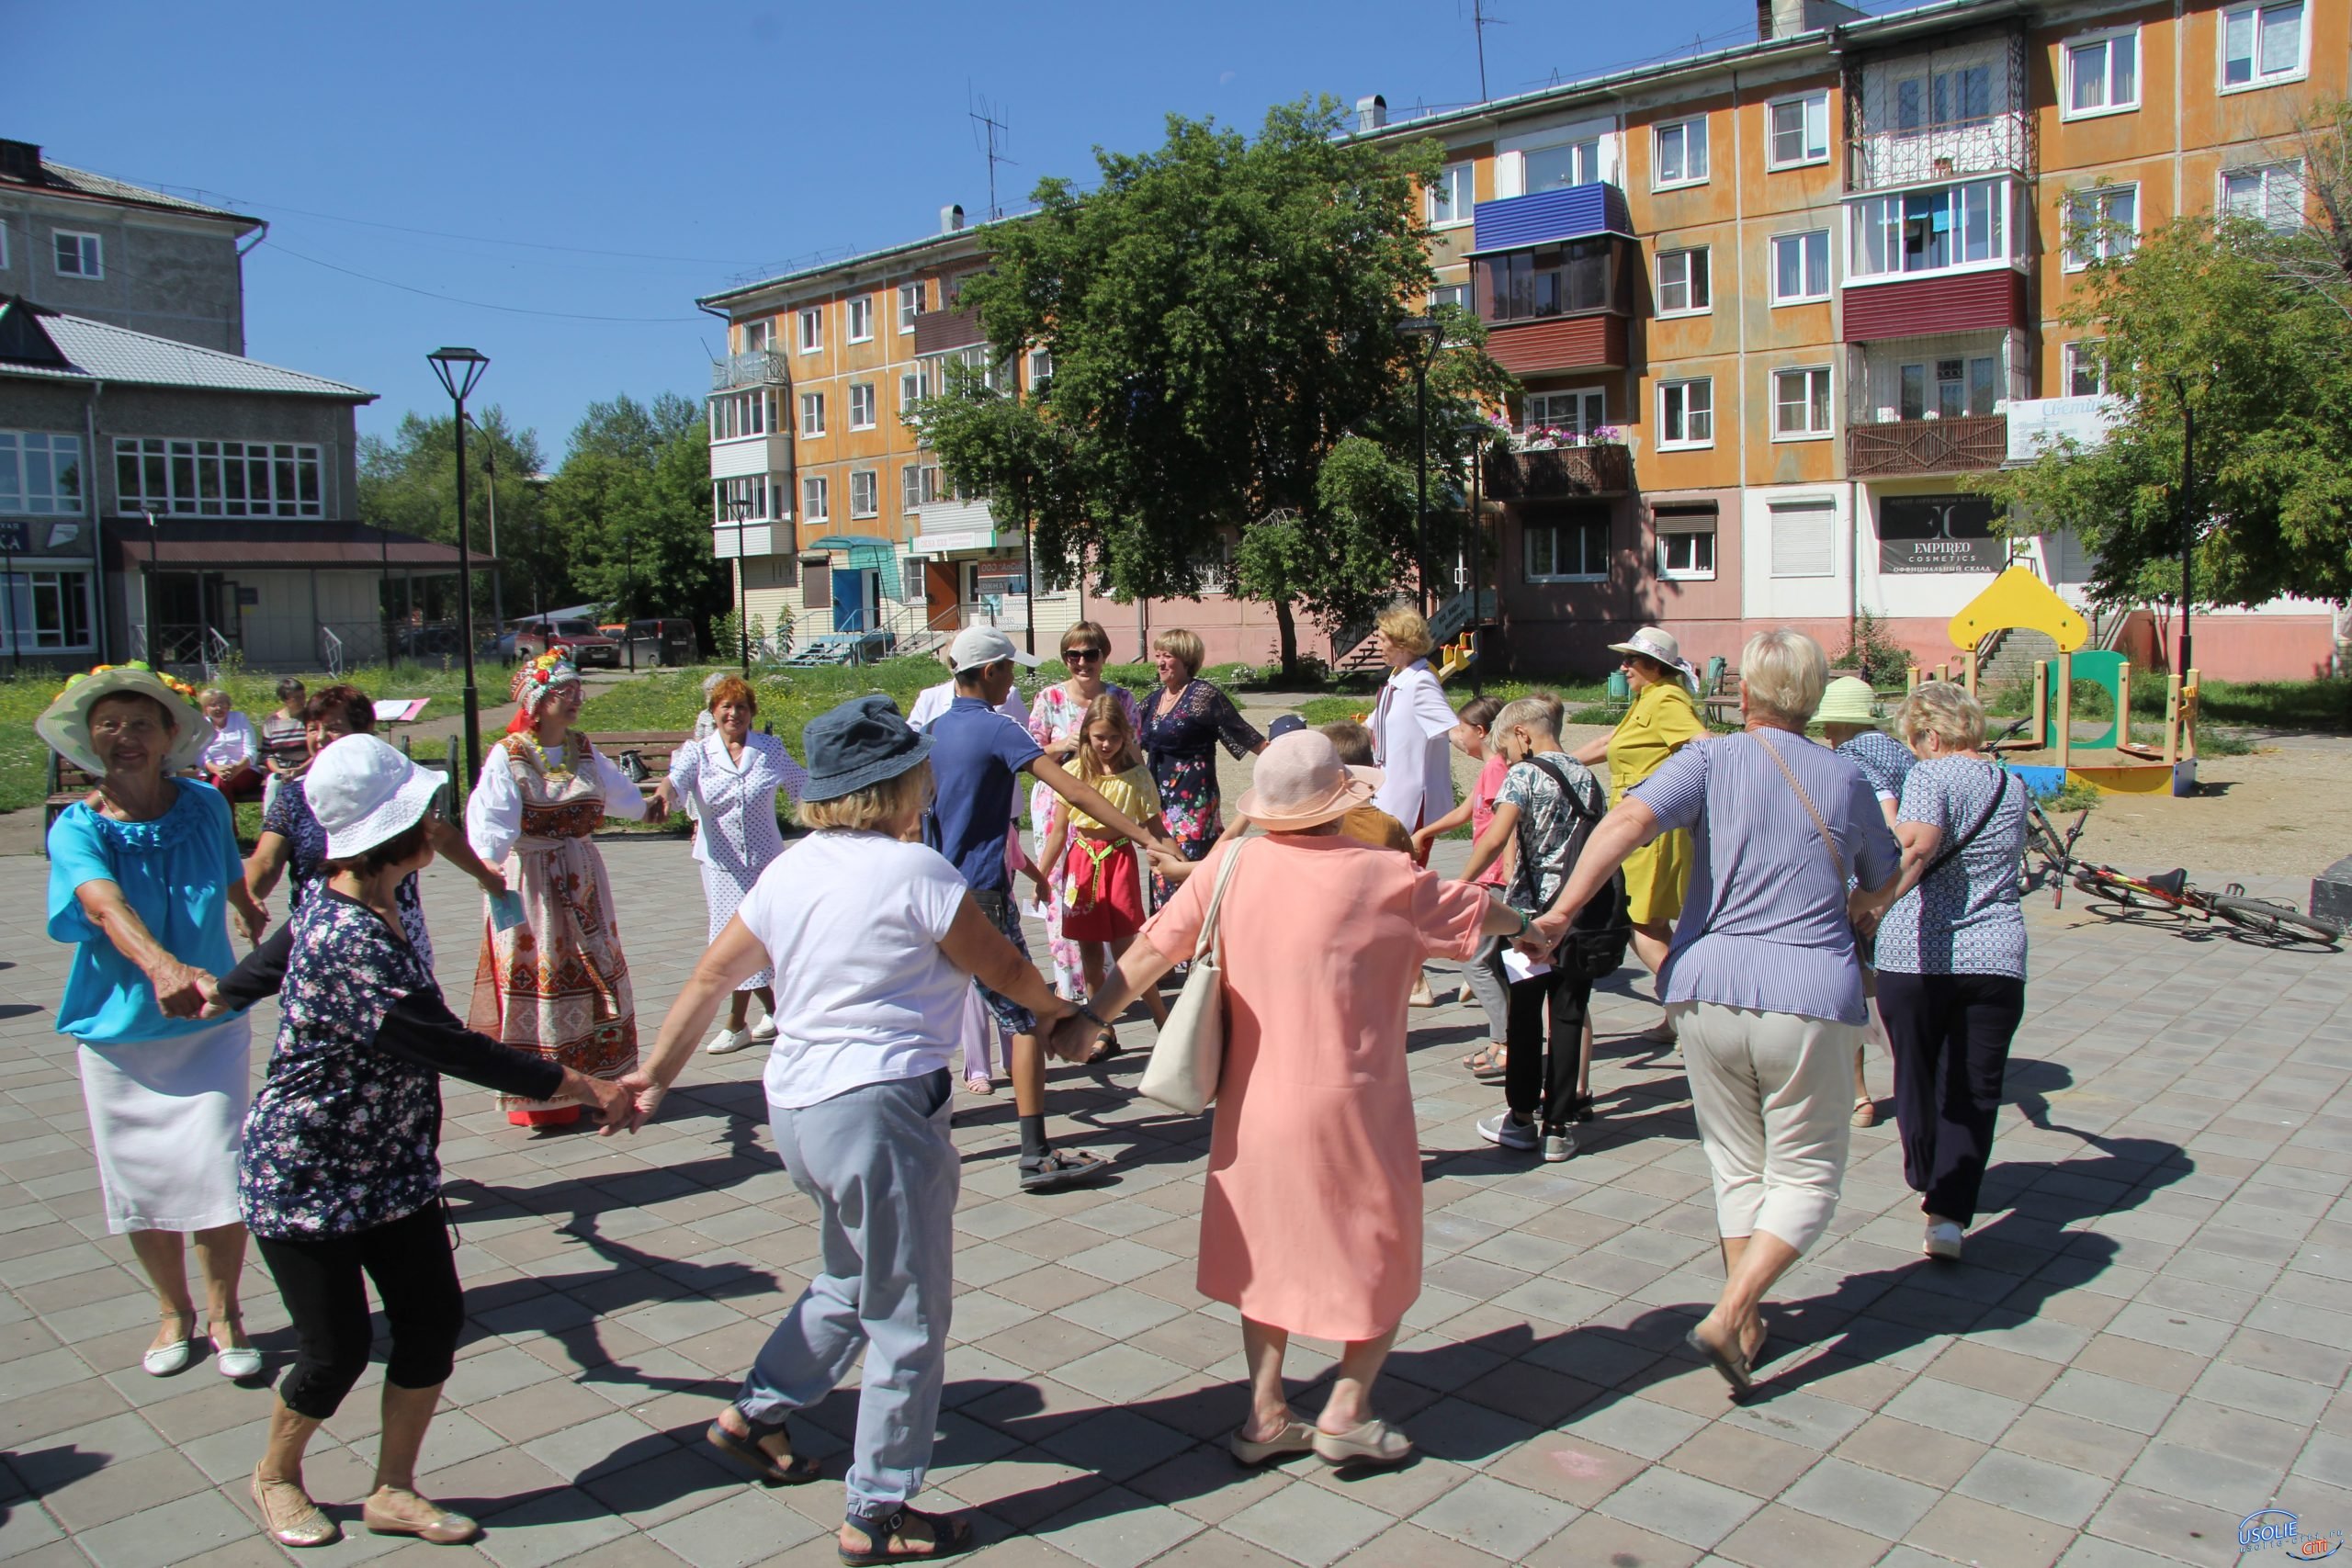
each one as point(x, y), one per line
point(140, 879)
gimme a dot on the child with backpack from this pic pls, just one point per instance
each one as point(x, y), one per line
point(1547, 806)
point(1102, 872)
point(1471, 722)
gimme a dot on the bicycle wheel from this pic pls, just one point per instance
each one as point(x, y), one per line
point(2276, 923)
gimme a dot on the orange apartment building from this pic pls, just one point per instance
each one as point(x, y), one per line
point(1773, 303)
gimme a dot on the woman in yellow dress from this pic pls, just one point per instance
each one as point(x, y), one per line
point(1662, 719)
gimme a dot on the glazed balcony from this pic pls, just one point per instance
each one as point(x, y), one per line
point(1900, 448)
point(1564, 473)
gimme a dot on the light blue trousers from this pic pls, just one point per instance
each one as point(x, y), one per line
point(880, 1166)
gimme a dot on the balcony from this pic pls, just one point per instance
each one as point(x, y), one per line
point(756, 367)
point(1997, 144)
point(1959, 111)
point(1967, 443)
point(1989, 299)
point(1545, 217)
point(749, 455)
point(1560, 342)
point(936, 332)
point(1567, 473)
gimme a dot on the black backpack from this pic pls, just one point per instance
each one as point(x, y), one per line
point(1596, 938)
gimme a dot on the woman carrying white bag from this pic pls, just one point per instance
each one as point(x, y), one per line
point(1311, 1223)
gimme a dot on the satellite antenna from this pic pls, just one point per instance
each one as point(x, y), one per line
point(990, 132)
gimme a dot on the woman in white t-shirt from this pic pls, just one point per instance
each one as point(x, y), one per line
point(875, 941)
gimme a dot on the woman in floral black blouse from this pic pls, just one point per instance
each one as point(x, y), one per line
point(339, 1175)
point(1184, 719)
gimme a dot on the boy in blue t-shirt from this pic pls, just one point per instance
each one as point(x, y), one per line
point(976, 758)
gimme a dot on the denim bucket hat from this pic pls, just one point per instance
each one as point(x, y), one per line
point(861, 742)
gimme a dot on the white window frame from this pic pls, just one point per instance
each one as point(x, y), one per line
point(1685, 414)
point(2073, 360)
point(1527, 532)
point(864, 492)
point(1693, 135)
point(89, 255)
point(1581, 409)
point(1693, 573)
point(188, 490)
point(1600, 171)
point(911, 303)
point(1932, 381)
point(1451, 201)
point(2269, 175)
point(1873, 210)
point(19, 499)
point(741, 416)
point(1463, 296)
point(872, 405)
point(860, 309)
point(914, 385)
point(758, 334)
point(918, 486)
point(1824, 403)
point(1040, 367)
point(1802, 238)
point(754, 490)
point(812, 414)
point(2090, 206)
point(812, 329)
point(1817, 99)
point(2257, 80)
point(2104, 39)
point(815, 500)
point(1697, 281)
point(54, 579)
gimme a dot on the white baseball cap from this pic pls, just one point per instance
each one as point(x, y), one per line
point(363, 792)
point(976, 648)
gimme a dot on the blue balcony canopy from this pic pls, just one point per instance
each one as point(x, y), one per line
point(1571, 212)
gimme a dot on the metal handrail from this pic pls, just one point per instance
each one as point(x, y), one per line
point(217, 652)
point(331, 648)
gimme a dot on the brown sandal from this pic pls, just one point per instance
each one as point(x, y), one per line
point(773, 1469)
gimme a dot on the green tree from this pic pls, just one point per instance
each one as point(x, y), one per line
point(2207, 319)
point(1222, 318)
point(409, 484)
point(631, 507)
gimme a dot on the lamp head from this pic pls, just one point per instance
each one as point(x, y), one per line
point(458, 369)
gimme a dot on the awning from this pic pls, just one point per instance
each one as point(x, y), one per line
point(865, 551)
point(218, 545)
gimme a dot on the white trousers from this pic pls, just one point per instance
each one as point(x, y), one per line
point(1774, 1093)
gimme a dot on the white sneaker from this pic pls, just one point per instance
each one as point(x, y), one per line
point(1501, 1130)
point(1944, 1240)
point(727, 1040)
point(763, 1031)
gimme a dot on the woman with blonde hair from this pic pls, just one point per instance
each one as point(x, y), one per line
point(1412, 724)
point(1762, 983)
point(1181, 723)
point(1952, 953)
point(1096, 874)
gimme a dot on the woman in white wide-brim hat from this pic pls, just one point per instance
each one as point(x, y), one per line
point(1311, 1224)
point(141, 881)
point(1661, 720)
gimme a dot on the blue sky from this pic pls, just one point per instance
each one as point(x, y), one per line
point(596, 159)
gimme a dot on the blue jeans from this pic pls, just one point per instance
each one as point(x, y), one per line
point(879, 1166)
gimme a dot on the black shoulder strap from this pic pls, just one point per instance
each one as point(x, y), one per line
point(1576, 805)
point(2000, 794)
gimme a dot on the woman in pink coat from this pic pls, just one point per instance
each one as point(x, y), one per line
point(1311, 1223)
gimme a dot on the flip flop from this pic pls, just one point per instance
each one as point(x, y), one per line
point(795, 1470)
point(1731, 1363)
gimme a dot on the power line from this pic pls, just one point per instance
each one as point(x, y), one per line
point(478, 304)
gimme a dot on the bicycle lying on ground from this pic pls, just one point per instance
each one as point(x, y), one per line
point(2119, 897)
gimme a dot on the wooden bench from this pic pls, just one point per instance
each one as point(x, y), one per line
point(654, 748)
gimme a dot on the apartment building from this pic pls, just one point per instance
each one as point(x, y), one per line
point(1770, 305)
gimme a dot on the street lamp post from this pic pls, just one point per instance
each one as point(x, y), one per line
point(1423, 330)
point(497, 568)
point(459, 369)
point(739, 511)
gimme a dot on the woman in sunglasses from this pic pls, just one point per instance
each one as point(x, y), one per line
point(1056, 722)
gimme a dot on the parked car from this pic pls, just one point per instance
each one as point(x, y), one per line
point(664, 640)
point(589, 646)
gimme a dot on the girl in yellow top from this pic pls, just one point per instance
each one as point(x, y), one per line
point(1102, 884)
point(1661, 721)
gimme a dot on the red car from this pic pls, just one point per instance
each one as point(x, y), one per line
point(588, 645)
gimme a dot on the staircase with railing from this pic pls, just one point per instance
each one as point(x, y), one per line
point(1447, 622)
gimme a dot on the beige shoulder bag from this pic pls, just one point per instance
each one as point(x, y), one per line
point(1190, 1051)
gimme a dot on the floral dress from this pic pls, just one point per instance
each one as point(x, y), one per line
point(1180, 736)
point(1057, 715)
point(289, 815)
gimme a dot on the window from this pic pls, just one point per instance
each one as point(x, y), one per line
point(1800, 266)
point(812, 414)
point(79, 255)
point(1680, 154)
point(40, 475)
point(1685, 541)
point(2102, 224)
point(1939, 100)
point(1803, 538)
point(918, 486)
point(812, 329)
point(917, 588)
point(61, 618)
point(1564, 280)
point(861, 318)
point(1682, 282)
point(1450, 200)
point(1929, 230)
point(861, 405)
point(734, 415)
point(864, 493)
point(1949, 388)
point(1460, 296)
point(1569, 164)
point(914, 386)
point(1578, 412)
point(1800, 132)
point(2103, 73)
point(217, 479)
point(812, 499)
point(746, 498)
point(2086, 363)
point(758, 334)
point(2260, 44)
point(1686, 413)
point(1576, 549)
point(1041, 368)
point(909, 305)
point(2270, 194)
point(1800, 404)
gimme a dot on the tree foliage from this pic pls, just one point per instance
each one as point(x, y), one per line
point(2206, 318)
point(632, 506)
point(409, 484)
point(1228, 374)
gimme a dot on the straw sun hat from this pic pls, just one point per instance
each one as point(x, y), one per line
point(1301, 783)
point(65, 723)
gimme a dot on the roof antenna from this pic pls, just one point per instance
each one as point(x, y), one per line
point(983, 115)
point(1480, 22)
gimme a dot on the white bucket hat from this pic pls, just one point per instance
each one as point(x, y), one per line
point(1651, 643)
point(363, 792)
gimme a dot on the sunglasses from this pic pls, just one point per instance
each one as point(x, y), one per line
point(1072, 654)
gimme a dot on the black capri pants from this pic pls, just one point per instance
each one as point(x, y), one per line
point(1951, 1035)
point(416, 1281)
